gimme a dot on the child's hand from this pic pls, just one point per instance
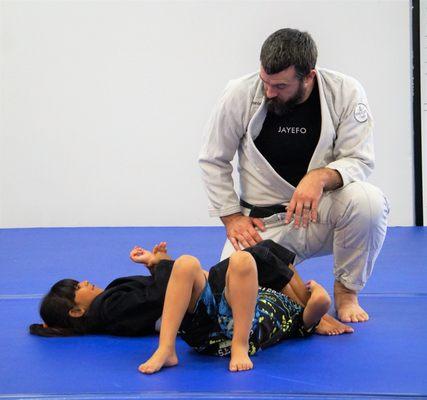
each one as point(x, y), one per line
point(160, 248)
point(139, 255)
point(150, 258)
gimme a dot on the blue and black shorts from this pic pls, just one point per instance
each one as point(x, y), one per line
point(209, 329)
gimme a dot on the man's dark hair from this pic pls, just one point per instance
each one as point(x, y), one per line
point(287, 47)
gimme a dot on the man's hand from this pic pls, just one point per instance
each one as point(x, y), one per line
point(241, 230)
point(306, 197)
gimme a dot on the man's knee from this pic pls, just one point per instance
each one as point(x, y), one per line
point(242, 263)
point(186, 264)
point(366, 202)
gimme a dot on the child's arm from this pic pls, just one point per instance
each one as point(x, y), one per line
point(317, 305)
point(296, 288)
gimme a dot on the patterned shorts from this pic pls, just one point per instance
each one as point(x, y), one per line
point(209, 329)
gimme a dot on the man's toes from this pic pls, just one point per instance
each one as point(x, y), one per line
point(345, 318)
point(362, 317)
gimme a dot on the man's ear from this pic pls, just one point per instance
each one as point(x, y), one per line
point(76, 312)
point(310, 75)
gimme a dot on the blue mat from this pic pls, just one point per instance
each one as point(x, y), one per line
point(384, 358)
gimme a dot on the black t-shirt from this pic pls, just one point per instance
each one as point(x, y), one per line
point(288, 142)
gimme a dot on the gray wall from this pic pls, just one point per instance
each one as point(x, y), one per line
point(103, 103)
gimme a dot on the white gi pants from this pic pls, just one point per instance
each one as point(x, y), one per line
point(351, 225)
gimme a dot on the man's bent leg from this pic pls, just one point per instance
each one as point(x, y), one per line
point(358, 213)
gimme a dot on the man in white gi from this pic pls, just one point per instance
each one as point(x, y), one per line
point(304, 140)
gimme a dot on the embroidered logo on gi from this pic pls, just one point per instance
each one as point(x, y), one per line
point(361, 113)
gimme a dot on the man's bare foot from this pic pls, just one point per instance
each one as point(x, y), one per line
point(347, 305)
point(160, 358)
point(328, 325)
point(240, 360)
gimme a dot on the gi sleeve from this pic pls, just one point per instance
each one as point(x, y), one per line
point(354, 147)
point(132, 308)
point(162, 273)
point(222, 136)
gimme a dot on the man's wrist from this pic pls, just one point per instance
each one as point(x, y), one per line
point(227, 218)
point(330, 179)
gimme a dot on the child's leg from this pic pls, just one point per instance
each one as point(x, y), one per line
point(297, 291)
point(185, 286)
point(241, 291)
point(317, 305)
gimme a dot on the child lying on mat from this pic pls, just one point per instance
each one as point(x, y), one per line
point(130, 306)
point(239, 319)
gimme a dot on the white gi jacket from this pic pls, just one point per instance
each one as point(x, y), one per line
point(345, 143)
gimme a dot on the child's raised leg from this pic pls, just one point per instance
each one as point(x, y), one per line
point(185, 286)
point(241, 292)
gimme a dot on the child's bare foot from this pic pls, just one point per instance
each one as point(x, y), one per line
point(240, 360)
point(328, 325)
point(161, 358)
point(347, 305)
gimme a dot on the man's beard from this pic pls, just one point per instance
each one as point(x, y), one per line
point(281, 108)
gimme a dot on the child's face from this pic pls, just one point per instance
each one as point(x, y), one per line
point(85, 294)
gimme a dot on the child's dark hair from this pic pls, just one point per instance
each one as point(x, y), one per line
point(54, 310)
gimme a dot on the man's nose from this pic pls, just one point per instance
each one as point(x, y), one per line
point(270, 92)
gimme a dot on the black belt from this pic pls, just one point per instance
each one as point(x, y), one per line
point(263, 212)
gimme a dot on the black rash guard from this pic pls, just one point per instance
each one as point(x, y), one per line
point(288, 142)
